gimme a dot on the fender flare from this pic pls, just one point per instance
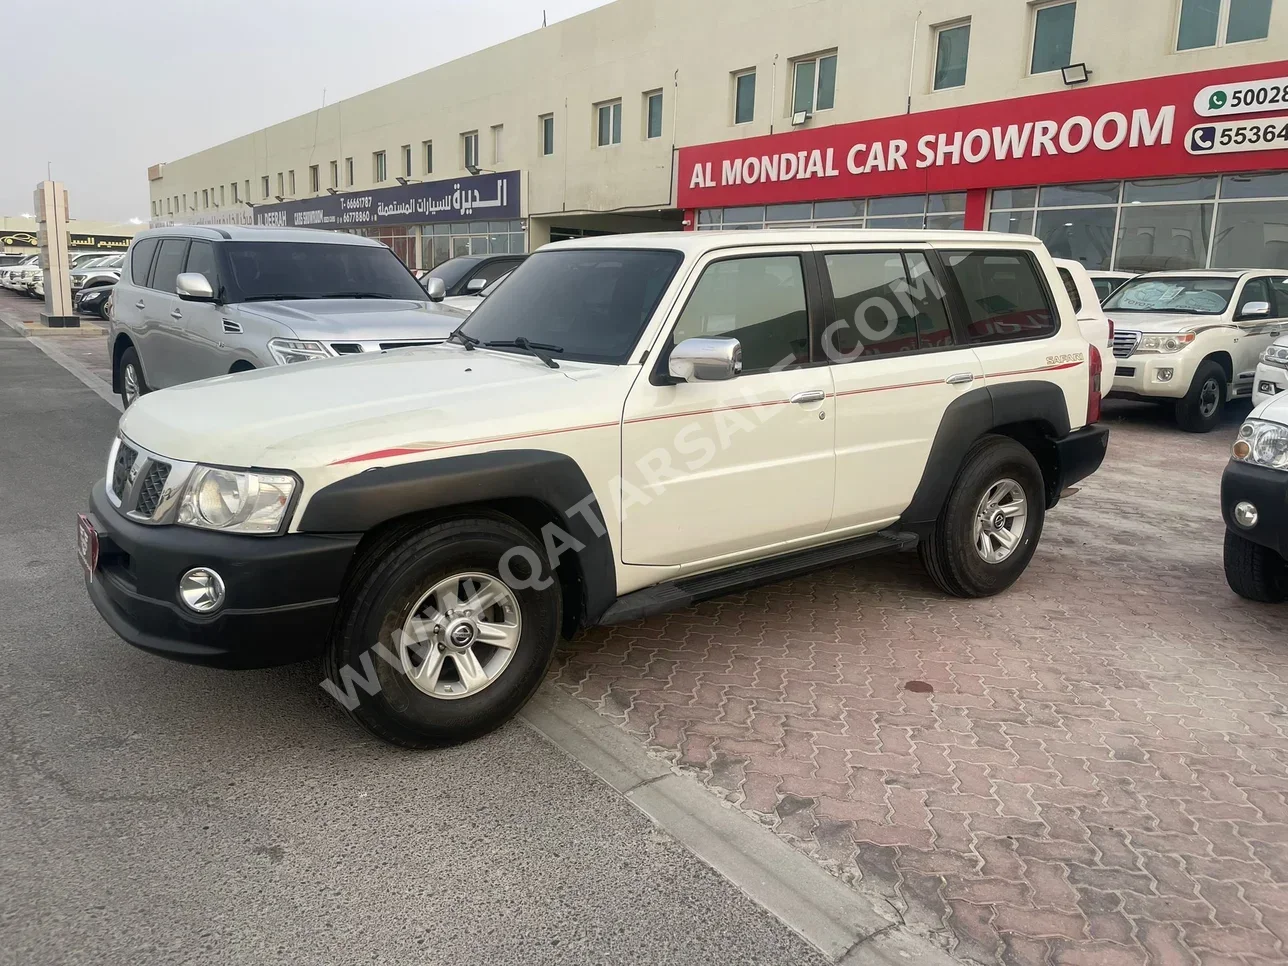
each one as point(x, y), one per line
point(360, 503)
point(970, 416)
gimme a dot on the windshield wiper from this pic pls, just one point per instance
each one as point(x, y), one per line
point(538, 349)
point(356, 295)
point(276, 297)
point(458, 335)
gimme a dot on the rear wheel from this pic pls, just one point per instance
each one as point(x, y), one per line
point(1253, 571)
point(132, 383)
point(989, 527)
point(1200, 409)
point(432, 645)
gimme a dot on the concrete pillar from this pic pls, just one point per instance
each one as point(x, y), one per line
point(52, 218)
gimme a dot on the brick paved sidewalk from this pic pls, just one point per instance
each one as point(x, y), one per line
point(1099, 773)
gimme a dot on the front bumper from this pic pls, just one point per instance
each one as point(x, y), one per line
point(1268, 383)
point(282, 591)
point(1267, 490)
point(1078, 455)
point(91, 299)
point(1142, 375)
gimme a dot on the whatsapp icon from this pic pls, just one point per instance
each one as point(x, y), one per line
point(1217, 100)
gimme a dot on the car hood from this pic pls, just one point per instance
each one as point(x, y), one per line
point(1163, 321)
point(359, 319)
point(338, 412)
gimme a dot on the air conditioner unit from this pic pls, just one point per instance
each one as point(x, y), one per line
point(800, 117)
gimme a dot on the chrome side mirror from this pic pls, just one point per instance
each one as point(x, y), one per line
point(1255, 310)
point(436, 288)
point(705, 360)
point(194, 287)
point(475, 285)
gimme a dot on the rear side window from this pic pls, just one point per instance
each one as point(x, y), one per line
point(201, 258)
point(1004, 295)
point(141, 261)
point(169, 264)
point(1071, 287)
point(760, 301)
point(885, 303)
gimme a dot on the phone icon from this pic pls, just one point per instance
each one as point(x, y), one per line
point(1217, 100)
point(1202, 139)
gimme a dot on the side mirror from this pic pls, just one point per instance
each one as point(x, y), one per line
point(475, 285)
point(194, 287)
point(436, 288)
point(705, 360)
point(1255, 310)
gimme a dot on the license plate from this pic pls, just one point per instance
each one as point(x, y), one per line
point(87, 544)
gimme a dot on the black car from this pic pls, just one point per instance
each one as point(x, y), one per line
point(1254, 503)
point(93, 301)
point(470, 274)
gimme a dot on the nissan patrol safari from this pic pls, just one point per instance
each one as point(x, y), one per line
point(1193, 339)
point(628, 425)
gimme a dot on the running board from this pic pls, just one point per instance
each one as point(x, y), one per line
point(681, 593)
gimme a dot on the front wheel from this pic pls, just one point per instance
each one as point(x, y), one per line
point(1200, 409)
point(989, 527)
point(1253, 571)
point(444, 631)
point(132, 383)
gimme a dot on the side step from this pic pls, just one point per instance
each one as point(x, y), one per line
point(689, 590)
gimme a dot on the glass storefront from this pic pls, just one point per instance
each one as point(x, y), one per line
point(438, 243)
point(1161, 224)
point(943, 211)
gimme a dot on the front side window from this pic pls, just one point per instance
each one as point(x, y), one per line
point(201, 259)
point(815, 84)
point(547, 135)
point(885, 303)
point(1256, 290)
point(1175, 295)
point(379, 167)
point(758, 300)
point(1004, 296)
point(653, 115)
point(609, 124)
point(1212, 23)
point(169, 264)
point(591, 304)
point(276, 271)
point(952, 45)
point(744, 97)
point(1052, 37)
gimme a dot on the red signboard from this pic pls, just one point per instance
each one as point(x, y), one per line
point(1228, 120)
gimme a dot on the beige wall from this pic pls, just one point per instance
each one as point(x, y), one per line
point(689, 49)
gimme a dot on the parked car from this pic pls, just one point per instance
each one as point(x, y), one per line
point(678, 385)
point(10, 258)
point(95, 301)
point(103, 270)
point(198, 302)
point(17, 277)
point(468, 303)
point(469, 274)
point(1192, 339)
point(1254, 503)
point(1095, 325)
point(1106, 283)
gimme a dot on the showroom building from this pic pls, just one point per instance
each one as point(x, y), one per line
point(1141, 136)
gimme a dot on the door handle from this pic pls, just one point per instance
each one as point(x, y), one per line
point(960, 378)
point(139, 305)
point(812, 396)
point(176, 315)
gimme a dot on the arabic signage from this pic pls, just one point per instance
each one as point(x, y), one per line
point(29, 239)
point(489, 197)
point(1141, 129)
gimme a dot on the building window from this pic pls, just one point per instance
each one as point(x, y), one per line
point(177, 208)
point(427, 149)
point(952, 45)
point(335, 174)
point(652, 115)
point(1052, 37)
point(281, 184)
point(608, 123)
point(263, 184)
point(168, 209)
point(498, 131)
point(348, 172)
point(814, 84)
point(290, 183)
point(470, 149)
point(946, 212)
point(379, 170)
point(744, 97)
point(154, 208)
point(314, 180)
point(221, 196)
point(406, 160)
point(236, 197)
point(443, 241)
point(247, 195)
point(1213, 23)
point(546, 127)
point(205, 198)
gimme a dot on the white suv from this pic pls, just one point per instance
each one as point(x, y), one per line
point(1194, 338)
point(629, 424)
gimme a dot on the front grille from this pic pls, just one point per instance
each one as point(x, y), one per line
point(153, 487)
point(1125, 371)
point(125, 457)
point(1125, 341)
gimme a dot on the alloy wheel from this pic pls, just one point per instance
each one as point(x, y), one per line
point(1000, 519)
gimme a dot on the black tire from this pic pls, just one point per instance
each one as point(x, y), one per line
point(950, 554)
point(1190, 416)
point(390, 577)
point(130, 358)
point(1253, 571)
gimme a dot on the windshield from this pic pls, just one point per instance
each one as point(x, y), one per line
point(1187, 296)
point(584, 304)
point(264, 271)
point(93, 262)
point(453, 270)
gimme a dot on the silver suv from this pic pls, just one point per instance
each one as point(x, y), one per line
point(198, 302)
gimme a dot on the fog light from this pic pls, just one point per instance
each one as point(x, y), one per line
point(1164, 375)
point(201, 590)
point(1245, 515)
point(1242, 449)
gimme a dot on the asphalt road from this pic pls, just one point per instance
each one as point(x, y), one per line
point(155, 812)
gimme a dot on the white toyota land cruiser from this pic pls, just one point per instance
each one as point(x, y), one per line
point(628, 425)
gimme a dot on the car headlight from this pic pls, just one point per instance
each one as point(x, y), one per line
point(1165, 342)
point(1276, 355)
point(236, 501)
point(1262, 444)
point(286, 351)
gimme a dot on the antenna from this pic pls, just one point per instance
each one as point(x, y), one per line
point(543, 16)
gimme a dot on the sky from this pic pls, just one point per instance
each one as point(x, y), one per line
point(130, 83)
